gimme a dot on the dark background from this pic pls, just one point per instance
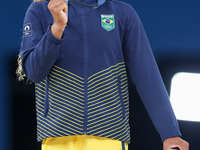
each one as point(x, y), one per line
point(173, 28)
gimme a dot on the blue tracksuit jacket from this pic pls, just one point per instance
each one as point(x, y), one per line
point(81, 80)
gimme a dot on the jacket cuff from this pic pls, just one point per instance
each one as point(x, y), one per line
point(170, 134)
point(52, 38)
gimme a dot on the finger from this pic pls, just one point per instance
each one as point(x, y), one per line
point(55, 3)
point(65, 9)
point(57, 6)
point(62, 7)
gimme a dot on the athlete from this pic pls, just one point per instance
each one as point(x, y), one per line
point(78, 55)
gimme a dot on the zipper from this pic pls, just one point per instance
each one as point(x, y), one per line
point(85, 72)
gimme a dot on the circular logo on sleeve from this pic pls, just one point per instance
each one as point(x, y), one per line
point(27, 31)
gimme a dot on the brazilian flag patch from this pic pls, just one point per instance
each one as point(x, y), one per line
point(108, 22)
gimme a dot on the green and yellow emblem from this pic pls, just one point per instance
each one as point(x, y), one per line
point(108, 22)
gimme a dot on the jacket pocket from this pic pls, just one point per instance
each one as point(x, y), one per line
point(46, 100)
point(121, 99)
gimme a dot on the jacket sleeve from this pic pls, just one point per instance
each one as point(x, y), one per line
point(39, 49)
point(145, 75)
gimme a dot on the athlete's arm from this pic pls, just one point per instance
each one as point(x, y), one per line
point(148, 81)
point(40, 48)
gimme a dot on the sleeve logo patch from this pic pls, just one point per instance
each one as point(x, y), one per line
point(108, 22)
point(27, 31)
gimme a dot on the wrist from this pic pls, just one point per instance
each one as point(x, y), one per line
point(57, 30)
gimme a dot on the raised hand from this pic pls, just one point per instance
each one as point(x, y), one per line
point(58, 9)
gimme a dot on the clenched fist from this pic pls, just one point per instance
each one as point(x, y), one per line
point(58, 9)
point(173, 142)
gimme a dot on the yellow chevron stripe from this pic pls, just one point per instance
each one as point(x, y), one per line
point(55, 70)
point(66, 96)
point(111, 120)
point(41, 83)
point(69, 121)
point(111, 78)
point(110, 75)
point(123, 70)
point(69, 72)
point(124, 86)
point(89, 109)
point(105, 125)
point(66, 86)
point(116, 130)
point(105, 85)
point(41, 100)
point(65, 109)
point(104, 108)
point(58, 119)
point(56, 129)
point(41, 106)
point(104, 115)
point(38, 92)
point(57, 115)
point(66, 82)
point(125, 133)
point(105, 118)
point(39, 137)
point(127, 103)
point(43, 132)
point(41, 125)
point(125, 81)
point(107, 96)
point(114, 88)
point(68, 112)
point(109, 127)
point(125, 98)
point(54, 101)
point(124, 77)
point(105, 70)
point(39, 89)
point(125, 90)
point(104, 89)
point(103, 100)
point(51, 74)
